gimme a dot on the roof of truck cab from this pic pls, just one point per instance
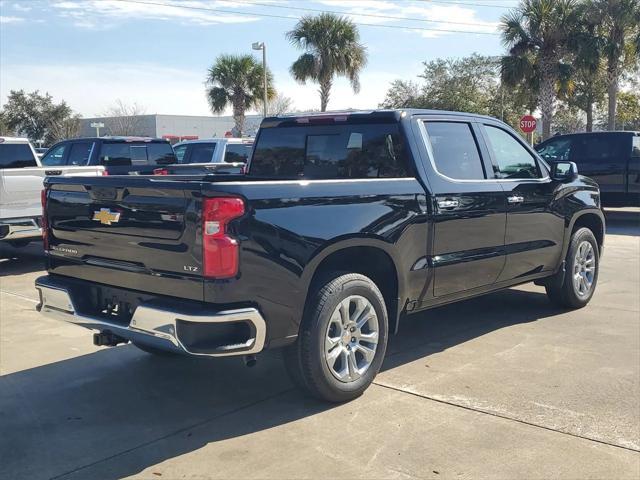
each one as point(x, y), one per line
point(14, 140)
point(119, 139)
point(232, 140)
point(391, 114)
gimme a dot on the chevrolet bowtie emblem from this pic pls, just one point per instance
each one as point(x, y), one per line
point(106, 216)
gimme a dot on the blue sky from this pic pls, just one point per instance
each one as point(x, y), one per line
point(152, 53)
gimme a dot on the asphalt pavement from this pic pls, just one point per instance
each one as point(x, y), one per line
point(502, 386)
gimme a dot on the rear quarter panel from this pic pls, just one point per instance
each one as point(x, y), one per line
point(291, 226)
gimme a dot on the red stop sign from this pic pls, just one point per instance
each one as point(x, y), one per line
point(527, 123)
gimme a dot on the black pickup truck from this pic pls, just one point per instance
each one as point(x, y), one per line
point(344, 224)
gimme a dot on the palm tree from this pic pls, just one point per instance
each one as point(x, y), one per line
point(619, 31)
point(332, 48)
point(237, 80)
point(537, 34)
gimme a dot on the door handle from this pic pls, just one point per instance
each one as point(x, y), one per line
point(52, 172)
point(448, 203)
point(515, 199)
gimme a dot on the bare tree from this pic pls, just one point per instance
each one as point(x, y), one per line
point(124, 119)
point(279, 105)
point(65, 128)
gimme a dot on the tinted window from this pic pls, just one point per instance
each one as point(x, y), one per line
point(556, 150)
point(79, 153)
point(454, 150)
point(179, 152)
point(513, 160)
point(55, 156)
point(635, 147)
point(331, 151)
point(237, 152)
point(136, 153)
point(16, 155)
point(597, 149)
point(202, 152)
point(160, 153)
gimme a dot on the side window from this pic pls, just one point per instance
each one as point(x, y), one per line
point(556, 150)
point(237, 152)
point(16, 155)
point(635, 146)
point(180, 151)
point(513, 160)
point(202, 152)
point(598, 149)
point(55, 157)
point(79, 153)
point(454, 150)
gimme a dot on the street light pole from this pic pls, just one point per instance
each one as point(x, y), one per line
point(262, 46)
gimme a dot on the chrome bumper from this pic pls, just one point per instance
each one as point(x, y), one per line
point(20, 229)
point(151, 325)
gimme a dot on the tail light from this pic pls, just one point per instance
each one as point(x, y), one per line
point(105, 173)
point(44, 224)
point(160, 171)
point(243, 169)
point(220, 252)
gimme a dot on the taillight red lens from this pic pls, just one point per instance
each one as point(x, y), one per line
point(105, 173)
point(44, 223)
point(161, 171)
point(220, 252)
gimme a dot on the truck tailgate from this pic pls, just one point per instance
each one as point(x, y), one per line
point(136, 233)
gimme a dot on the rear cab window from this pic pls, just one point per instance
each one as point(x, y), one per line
point(328, 151)
point(237, 152)
point(136, 153)
point(16, 155)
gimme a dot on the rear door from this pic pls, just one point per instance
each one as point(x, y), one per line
point(535, 232)
point(20, 181)
point(469, 212)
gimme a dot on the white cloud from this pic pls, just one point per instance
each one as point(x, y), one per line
point(102, 14)
point(9, 19)
point(21, 7)
point(420, 15)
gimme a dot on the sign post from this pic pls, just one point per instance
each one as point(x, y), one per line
point(97, 126)
point(528, 125)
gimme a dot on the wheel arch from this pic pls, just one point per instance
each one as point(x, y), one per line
point(371, 257)
point(594, 220)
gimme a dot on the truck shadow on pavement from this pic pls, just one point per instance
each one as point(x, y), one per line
point(16, 261)
point(115, 412)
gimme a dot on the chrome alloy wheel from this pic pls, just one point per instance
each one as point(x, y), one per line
point(351, 339)
point(584, 268)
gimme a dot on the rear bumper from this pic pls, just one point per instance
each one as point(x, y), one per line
point(20, 229)
point(159, 326)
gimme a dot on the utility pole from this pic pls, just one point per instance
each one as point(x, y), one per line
point(262, 46)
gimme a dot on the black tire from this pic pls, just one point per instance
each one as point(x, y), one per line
point(305, 360)
point(561, 289)
point(155, 351)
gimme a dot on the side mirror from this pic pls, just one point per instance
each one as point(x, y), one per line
point(564, 171)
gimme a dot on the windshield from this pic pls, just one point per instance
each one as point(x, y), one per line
point(137, 153)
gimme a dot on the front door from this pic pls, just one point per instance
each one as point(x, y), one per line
point(535, 232)
point(469, 209)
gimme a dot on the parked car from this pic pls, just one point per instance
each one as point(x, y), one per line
point(21, 176)
point(209, 156)
point(118, 155)
point(610, 158)
point(344, 224)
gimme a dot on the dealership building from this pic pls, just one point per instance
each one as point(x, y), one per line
point(172, 127)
